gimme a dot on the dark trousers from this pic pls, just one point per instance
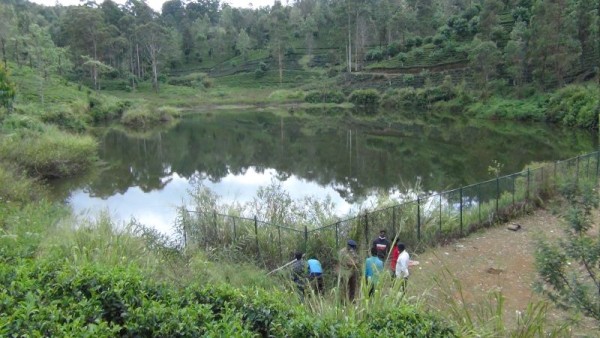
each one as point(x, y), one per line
point(352, 286)
point(316, 280)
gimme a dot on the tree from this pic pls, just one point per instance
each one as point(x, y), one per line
point(569, 269)
point(484, 57)
point(154, 39)
point(242, 44)
point(85, 30)
point(7, 29)
point(554, 44)
point(278, 34)
point(45, 56)
point(7, 88)
point(515, 53)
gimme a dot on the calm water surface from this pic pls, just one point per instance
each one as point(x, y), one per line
point(146, 176)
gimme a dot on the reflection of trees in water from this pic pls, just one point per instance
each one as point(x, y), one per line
point(352, 159)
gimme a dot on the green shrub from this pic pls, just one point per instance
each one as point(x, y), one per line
point(575, 106)
point(365, 97)
point(17, 187)
point(261, 70)
point(142, 117)
point(51, 153)
point(14, 122)
point(64, 117)
point(196, 80)
point(376, 54)
point(325, 96)
point(106, 108)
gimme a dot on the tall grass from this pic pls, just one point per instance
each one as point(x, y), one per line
point(486, 317)
point(50, 153)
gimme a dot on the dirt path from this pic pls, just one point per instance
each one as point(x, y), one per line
point(496, 259)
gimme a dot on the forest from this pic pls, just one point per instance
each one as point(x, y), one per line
point(71, 75)
point(499, 45)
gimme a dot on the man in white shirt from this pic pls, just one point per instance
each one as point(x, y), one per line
point(402, 264)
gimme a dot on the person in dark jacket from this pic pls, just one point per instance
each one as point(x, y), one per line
point(299, 274)
point(382, 245)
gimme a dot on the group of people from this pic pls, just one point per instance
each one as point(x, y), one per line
point(349, 268)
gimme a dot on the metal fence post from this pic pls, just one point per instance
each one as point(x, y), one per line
point(577, 170)
point(597, 163)
point(528, 179)
point(418, 218)
point(256, 235)
point(337, 235)
point(513, 190)
point(479, 201)
point(367, 228)
point(555, 174)
point(279, 239)
point(234, 231)
point(394, 221)
point(305, 238)
point(216, 229)
point(497, 196)
point(440, 213)
point(460, 194)
point(587, 167)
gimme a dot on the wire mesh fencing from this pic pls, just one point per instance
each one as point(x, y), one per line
point(423, 222)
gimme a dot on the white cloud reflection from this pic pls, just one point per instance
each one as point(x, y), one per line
point(158, 207)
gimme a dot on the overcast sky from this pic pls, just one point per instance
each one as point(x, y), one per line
point(157, 4)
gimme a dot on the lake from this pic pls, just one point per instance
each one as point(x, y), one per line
point(147, 175)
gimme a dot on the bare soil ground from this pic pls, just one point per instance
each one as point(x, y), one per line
point(495, 259)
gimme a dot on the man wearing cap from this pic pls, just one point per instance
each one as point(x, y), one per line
point(381, 244)
point(348, 270)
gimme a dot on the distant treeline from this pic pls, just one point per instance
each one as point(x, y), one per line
point(548, 42)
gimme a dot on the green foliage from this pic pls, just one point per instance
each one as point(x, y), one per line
point(7, 88)
point(106, 108)
point(261, 70)
point(365, 97)
point(376, 54)
point(50, 153)
point(64, 117)
point(143, 116)
point(325, 96)
point(575, 106)
point(417, 98)
point(568, 268)
point(194, 80)
point(16, 187)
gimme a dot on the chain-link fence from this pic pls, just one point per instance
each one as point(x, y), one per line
point(428, 220)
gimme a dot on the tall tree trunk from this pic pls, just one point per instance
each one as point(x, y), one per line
point(280, 59)
point(17, 53)
point(94, 67)
point(4, 53)
point(137, 51)
point(349, 58)
point(132, 67)
point(155, 73)
point(356, 44)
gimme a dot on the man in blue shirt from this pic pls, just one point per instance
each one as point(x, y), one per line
point(373, 267)
point(315, 274)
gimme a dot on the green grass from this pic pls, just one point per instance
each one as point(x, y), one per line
point(50, 153)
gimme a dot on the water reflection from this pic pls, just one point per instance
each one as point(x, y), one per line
point(233, 154)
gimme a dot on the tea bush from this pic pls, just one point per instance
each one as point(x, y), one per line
point(365, 97)
point(51, 298)
point(325, 96)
